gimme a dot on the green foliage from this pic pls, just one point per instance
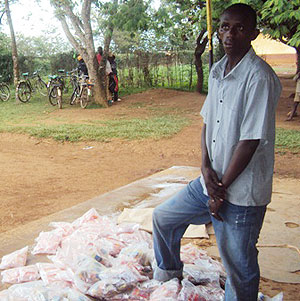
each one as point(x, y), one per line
point(281, 20)
point(174, 70)
point(64, 61)
point(5, 58)
point(129, 16)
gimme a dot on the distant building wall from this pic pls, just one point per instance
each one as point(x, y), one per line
point(280, 59)
point(274, 52)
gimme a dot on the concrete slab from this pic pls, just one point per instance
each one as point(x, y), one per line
point(150, 191)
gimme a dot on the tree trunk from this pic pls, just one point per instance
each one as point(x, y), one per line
point(200, 48)
point(298, 58)
point(13, 44)
point(82, 40)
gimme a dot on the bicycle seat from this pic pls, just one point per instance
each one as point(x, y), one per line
point(53, 76)
point(61, 70)
point(35, 73)
point(25, 74)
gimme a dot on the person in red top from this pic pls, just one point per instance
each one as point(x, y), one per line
point(99, 58)
point(113, 78)
point(99, 54)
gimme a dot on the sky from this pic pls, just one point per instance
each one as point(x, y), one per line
point(32, 19)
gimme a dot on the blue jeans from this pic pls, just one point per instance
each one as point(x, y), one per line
point(236, 237)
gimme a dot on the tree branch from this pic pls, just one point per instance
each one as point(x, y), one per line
point(70, 37)
point(76, 23)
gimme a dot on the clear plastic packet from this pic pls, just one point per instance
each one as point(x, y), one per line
point(51, 274)
point(127, 228)
point(92, 217)
point(209, 264)
point(143, 290)
point(37, 291)
point(212, 292)
point(112, 245)
point(115, 281)
point(189, 253)
point(20, 274)
point(47, 242)
point(199, 276)
point(136, 236)
point(74, 295)
point(191, 292)
point(87, 273)
point(168, 291)
point(4, 295)
point(75, 246)
point(107, 289)
point(21, 289)
point(137, 252)
point(64, 227)
point(15, 259)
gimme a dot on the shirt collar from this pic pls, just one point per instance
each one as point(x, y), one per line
point(238, 70)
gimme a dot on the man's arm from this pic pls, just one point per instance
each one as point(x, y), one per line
point(241, 157)
point(214, 186)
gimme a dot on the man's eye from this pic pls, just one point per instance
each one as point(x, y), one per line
point(240, 28)
point(224, 27)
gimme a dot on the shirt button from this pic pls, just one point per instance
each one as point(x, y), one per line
point(218, 121)
point(214, 140)
point(221, 100)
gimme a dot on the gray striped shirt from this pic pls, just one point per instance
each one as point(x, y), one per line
point(241, 106)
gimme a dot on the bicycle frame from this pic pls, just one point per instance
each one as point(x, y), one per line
point(35, 76)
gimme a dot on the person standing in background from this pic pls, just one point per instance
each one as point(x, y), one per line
point(113, 78)
point(293, 113)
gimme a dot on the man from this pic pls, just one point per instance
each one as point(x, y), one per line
point(82, 68)
point(237, 162)
point(99, 55)
point(293, 113)
point(113, 78)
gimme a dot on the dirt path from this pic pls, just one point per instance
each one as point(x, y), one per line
point(40, 177)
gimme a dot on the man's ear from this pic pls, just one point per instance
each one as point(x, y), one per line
point(256, 32)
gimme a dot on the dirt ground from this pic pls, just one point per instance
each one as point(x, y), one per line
point(40, 177)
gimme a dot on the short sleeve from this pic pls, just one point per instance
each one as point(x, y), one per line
point(203, 111)
point(259, 110)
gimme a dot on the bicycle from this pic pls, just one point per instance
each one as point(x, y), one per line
point(82, 91)
point(4, 92)
point(55, 87)
point(28, 85)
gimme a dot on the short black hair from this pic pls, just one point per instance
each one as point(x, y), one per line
point(100, 50)
point(244, 9)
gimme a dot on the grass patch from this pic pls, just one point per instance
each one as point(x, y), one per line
point(288, 139)
point(155, 128)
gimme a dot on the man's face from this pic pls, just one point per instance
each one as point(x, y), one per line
point(236, 33)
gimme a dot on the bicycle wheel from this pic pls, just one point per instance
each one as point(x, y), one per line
point(53, 96)
point(23, 91)
point(4, 92)
point(74, 95)
point(41, 87)
point(84, 98)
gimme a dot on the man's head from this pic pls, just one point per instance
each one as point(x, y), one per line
point(238, 28)
point(100, 50)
